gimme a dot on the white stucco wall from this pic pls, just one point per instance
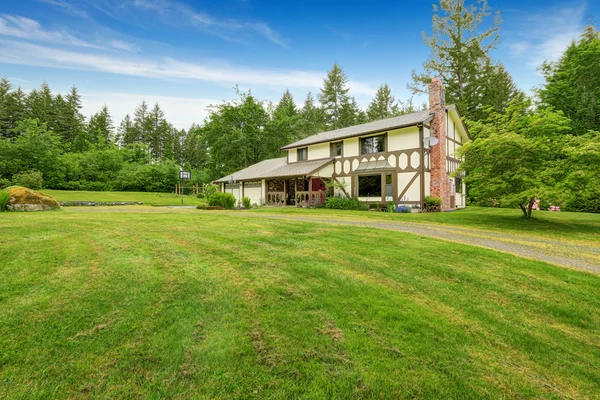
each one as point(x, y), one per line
point(292, 155)
point(405, 138)
point(413, 192)
point(318, 151)
point(346, 181)
point(351, 147)
point(325, 172)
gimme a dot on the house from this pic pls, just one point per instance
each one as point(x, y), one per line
point(397, 159)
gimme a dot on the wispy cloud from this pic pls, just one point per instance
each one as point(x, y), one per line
point(121, 45)
point(226, 28)
point(26, 28)
point(69, 8)
point(546, 35)
point(17, 52)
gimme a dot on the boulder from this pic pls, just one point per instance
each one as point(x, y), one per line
point(23, 199)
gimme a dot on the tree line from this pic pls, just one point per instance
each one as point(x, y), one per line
point(47, 133)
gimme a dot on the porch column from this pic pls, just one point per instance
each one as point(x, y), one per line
point(296, 191)
point(242, 189)
point(285, 192)
point(310, 191)
point(383, 188)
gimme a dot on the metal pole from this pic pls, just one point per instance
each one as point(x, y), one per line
point(181, 189)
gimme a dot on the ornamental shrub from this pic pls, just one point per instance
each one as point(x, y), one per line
point(432, 204)
point(30, 179)
point(390, 206)
point(4, 183)
point(402, 209)
point(3, 200)
point(344, 203)
point(225, 200)
point(246, 203)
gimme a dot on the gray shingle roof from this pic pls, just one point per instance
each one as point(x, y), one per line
point(371, 127)
point(276, 167)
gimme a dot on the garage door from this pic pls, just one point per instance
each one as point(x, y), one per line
point(234, 190)
point(254, 191)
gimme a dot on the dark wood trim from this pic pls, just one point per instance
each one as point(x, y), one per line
point(383, 186)
point(408, 185)
point(421, 168)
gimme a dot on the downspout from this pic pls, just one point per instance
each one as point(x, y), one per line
point(422, 167)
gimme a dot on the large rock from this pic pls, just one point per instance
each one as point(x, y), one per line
point(23, 199)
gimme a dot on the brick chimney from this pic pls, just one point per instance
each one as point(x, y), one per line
point(440, 184)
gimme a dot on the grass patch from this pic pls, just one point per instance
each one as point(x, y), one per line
point(148, 198)
point(560, 225)
point(149, 305)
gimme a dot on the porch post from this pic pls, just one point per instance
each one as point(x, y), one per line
point(296, 191)
point(285, 192)
point(310, 199)
point(242, 189)
point(383, 187)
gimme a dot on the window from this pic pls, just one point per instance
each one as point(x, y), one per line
point(303, 154)
point(458, 185)
point(336, 149)
point(369, 186)
point(388, 186)
point(372, 144)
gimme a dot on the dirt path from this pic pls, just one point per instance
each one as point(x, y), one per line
point(564, 254)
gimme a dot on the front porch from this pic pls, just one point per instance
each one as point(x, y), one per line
point(296, 191)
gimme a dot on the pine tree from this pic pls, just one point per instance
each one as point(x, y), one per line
point(73, 120)
point(351, 114)
point(40, 105)
point(100, 128)
point(140, 123)
point(126, 133)
point(383, 104)
point(333, 96)
point(12, 111)
point(460, 56)
point(285, 122)
point(156, 131)
point(312, 118)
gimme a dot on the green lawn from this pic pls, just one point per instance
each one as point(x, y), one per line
point(559, 225)
point(194, 304)
point(151, 199)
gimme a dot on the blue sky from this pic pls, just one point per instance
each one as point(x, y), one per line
point(189, 54)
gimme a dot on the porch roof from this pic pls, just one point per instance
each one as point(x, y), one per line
point(276, 168)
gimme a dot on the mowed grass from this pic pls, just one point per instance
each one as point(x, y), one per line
point(193, 304)
point(547, 224)
point(148, 198)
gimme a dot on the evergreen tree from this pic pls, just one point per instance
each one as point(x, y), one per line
point(573, 82)
point(100, 130)
point(312, 118)
point(126, 133)
point(74, 122)
point(383, 104)
point(351, 114)
point(12, 108)
point(460, 57)
point(333, 96)
point(40, 106)
point(285, 123)
point(141, 123)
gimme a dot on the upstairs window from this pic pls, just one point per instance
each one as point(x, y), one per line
point(372, 144)
point(336, 149)
point(303, 154)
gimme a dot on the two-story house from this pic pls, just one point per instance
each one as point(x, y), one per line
point(400, 159)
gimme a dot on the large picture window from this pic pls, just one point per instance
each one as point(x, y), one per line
point(303, 154)
point(372, 144)
point(369, 185)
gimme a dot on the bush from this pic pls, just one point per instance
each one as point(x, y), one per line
point(225, 200)
point(390, 206)
point(432, 204)
point(344, 203)
point(4, 183)
point(246, 203)
point(402, 209)
point(3, 200)
point(30, 179)
point(584, 203)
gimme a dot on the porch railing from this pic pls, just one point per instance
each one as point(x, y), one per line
point(308, 199)
point(276, 198)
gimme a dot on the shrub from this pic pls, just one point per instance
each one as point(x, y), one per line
point(432, 204)
point(584, 203)
point(225, 200)
point(30, 179)
point(4, 183)
point(390, 206)
point(344, 203)
point(208, 189)
point(402, 209)
point(3, 200)
point(246, 203)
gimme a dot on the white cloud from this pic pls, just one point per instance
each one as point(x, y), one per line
point(121, 45)
point(26, 28)
point(16, 52)
point(546, 35)
point(67, 7)
point(180, 111)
